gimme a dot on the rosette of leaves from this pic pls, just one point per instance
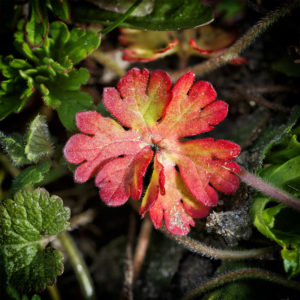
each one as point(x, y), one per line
point(27, 224)
point(49, 69)
point(275, 220)
point(206, 41)
point(159, 118)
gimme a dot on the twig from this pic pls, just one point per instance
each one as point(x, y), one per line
point(263, 101)
point(202, 249)
point(127, 293)
point(82, 219)
point(254, 273)
point(79, 266)
point(269, 189)
point(11, 169)
point(240, 45)
point(268, 89)
point(254, 134)
point(142, 246)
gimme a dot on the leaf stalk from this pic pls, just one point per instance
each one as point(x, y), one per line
point(122, 18)
point(79, 266)
point(248, 273)
point(269, 189)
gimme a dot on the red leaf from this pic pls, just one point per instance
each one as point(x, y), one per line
point(186, 174)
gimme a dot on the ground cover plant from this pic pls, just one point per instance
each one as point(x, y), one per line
point(149, 149)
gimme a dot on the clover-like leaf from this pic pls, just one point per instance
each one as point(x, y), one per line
point(158, 118)
point(26, 224)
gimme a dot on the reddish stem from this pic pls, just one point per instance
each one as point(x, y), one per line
point(269, 189)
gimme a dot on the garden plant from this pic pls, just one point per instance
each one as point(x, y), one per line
point(150, 149)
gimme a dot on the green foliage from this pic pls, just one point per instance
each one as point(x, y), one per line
point(166, 15)
point(287, 66)
point(35, 146)
point(61, 9)
point(231, 8)
point(36, 28)
point(277, 221)
point(274, 132)
point(12, 294)
point(50, 69)
point(26, 225)
point(31, 175)
point(121, 6)
point(38, 143)
point(15, 148)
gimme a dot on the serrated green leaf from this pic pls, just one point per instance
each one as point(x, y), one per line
point(31, 175)
point(65, 96)
point(38, 143)
point(25, 226)
point(61, 9)
point(80, 44)
point(13, 95)
point(166, 15)
point(14, 146)
point(12, 294)
point(36, 29)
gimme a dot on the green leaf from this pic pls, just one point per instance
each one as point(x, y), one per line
point(14, 146)
point(25, 226)
point(287, 66)
point(61, 9)
point(121, 6)
point(166, 15)
point(38, 143)
point(31, 175)
point(36, 29)
point(13, 294)
point(80, 44)
point(273, 133)
point(13, 95)
point(64, 94)
point(277, 221)
point(231, 8)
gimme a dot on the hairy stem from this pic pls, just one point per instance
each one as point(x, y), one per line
point(200, 248)
point(11, 169)
point(239, 46)
point(269, 189)
point(127, 293)
point(53, 292)
point(237, 275)
point(142, 246)
point(122, 18)
point(79, 266)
